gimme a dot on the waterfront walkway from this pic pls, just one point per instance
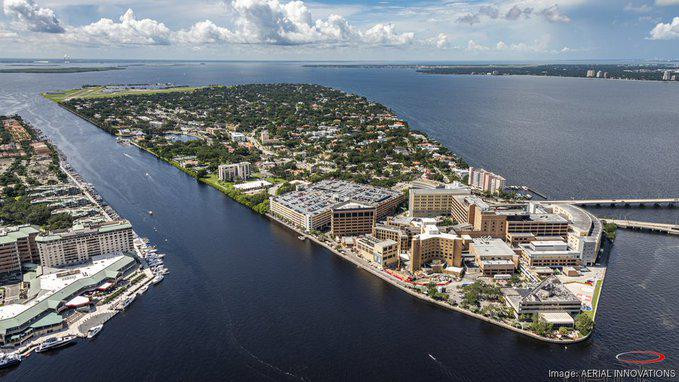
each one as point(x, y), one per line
point(671, 229)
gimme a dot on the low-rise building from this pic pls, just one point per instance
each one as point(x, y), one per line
point(382, 252)
point(548, 296)
point(311, 209)
point(493, 256)
point(549, 253)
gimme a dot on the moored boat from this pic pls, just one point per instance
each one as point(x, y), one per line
point(9, 360)
point(54, 343)
point(94, 331)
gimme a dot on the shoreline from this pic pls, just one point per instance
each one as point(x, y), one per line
point(103, 310)
point(355, 261)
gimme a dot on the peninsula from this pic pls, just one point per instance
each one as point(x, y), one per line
point(68, 261)
point(349, 174)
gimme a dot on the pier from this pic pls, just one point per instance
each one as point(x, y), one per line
point(671, 229)
point(626, 202)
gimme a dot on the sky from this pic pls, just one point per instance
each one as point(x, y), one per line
point(415, 30)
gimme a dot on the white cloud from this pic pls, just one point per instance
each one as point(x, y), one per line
point(642, 8)
point(442, 41)
point(385, 34)
point(128, 31)
point(553, 14)
point(275, 23)
point(29, 16)
point(666, 31)
point(665, 3)
point(473, 46)
point(516, 11)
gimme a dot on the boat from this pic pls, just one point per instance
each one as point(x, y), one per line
point(9, 360)
point(93, 331)
point(127, 302)
point(54, 343)
point(301, 237)
point(157, 279)
point(143, 289)
point(150, 212)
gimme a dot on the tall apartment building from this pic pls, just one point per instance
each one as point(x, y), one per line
point(485, 180)
point(433, 202)
point(80, 243)
point(352, 219)
point(435, 245)
point(17, 246)
point(382, 252)
point(233, 172)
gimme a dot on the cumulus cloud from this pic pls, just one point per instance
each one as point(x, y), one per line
point(442, 41)
point(666, 31)
point(665, 3)
point(642, 8)
point(473, 46)
point(29, 16)
point(553, 14)
point(385, 34)
point(127, 31)
point(515, 12)
point(275, 23)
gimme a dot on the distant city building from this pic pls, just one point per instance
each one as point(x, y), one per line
point(493, 256)
point(667, 75)
point(235, 171)
point(426, 202)
point(80, 243)
point(591, 73)
point(599, 74)
point(311, 209)
point(485, 180)
point(17, 246)
point(383, 252)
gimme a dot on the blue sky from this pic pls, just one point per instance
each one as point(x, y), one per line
point(342, 29)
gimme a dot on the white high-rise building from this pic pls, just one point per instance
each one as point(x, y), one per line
point(235, 171)
point(485, 180)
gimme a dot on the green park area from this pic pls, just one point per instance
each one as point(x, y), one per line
point(98, 92)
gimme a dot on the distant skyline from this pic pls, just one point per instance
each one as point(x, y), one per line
point(418, 30)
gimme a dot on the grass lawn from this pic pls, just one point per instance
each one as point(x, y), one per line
point(97, 92)
point(595, 298)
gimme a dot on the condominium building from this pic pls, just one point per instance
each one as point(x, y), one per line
point(493, 256)
point(234, 171)
point(435, 245)
point(311, 209)
point(424, 202)
point(549, 253)
point(80, 243)
point(548, 296)
point(352, 219)
point(17, 246)
point(382, 252)
point(485, 180)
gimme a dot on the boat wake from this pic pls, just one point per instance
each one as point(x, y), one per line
point(441, 366)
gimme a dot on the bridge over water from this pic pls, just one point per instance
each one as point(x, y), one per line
point(626, 202)
point(672, 229)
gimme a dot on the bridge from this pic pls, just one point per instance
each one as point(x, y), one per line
point(672, 229)
point(627, 202)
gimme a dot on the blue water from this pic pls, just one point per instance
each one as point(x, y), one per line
point(247, 300)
